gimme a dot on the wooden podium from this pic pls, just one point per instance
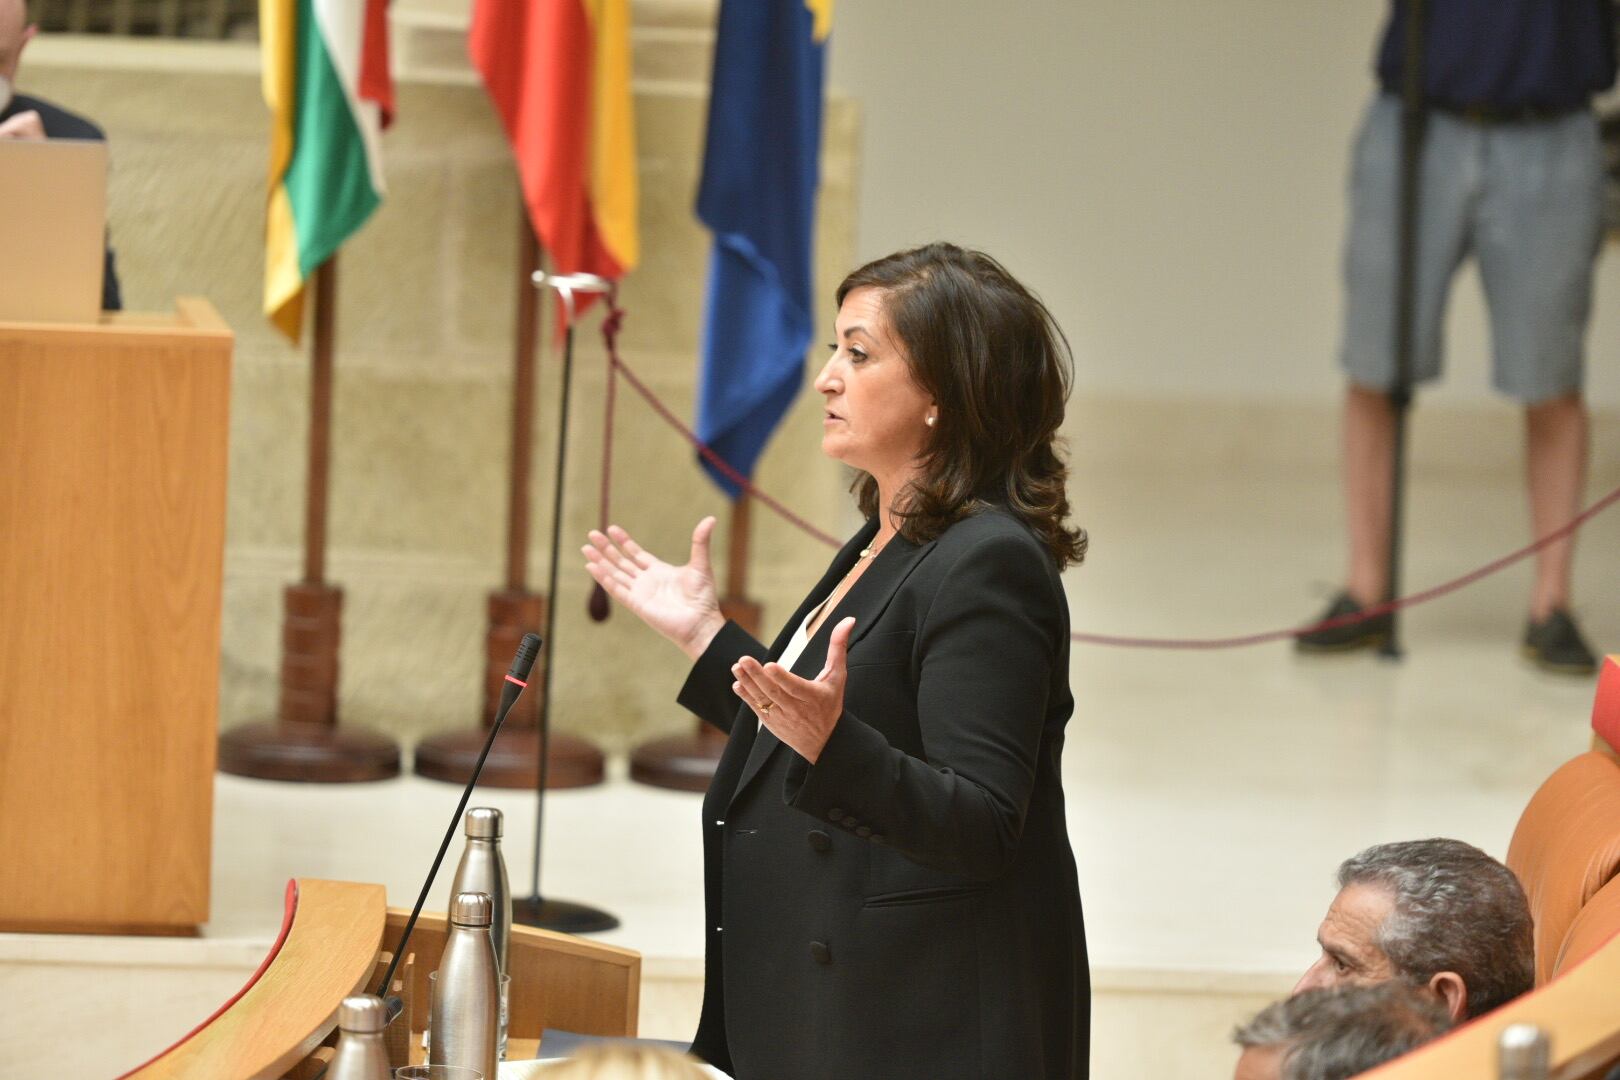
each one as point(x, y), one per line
point(280, 1025)
point(112, 533)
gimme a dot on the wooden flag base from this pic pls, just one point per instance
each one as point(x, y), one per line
point(514, 760)
point(317, 753)
point(687, 762)
point(305, 742)
point(679, 762)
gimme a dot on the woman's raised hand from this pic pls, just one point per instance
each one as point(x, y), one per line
point(680, 602)
point(802, 712)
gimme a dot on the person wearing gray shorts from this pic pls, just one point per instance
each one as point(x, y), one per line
point(1511, 176)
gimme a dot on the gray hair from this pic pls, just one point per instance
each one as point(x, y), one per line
point(1338, 1032)
point(1455, 909)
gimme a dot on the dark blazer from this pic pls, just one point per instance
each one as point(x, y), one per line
point(61, 124)
point(907, 906)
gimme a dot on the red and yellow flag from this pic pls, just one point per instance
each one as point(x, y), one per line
point(558, 72)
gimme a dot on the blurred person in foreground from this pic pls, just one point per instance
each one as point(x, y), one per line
point(1512, 175)
point(24, 117)
point(1336, 1033)
point(625, 1062)
point(1439, 915)
point(890, 888)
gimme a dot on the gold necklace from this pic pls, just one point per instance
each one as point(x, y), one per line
point(869, 550)
point(838, 590)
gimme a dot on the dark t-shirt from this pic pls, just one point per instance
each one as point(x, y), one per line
point(61, 124)
point(1506, 54)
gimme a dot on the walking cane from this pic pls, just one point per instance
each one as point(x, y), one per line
point(1414, 121)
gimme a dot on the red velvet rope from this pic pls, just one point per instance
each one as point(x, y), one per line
point(610, 332)
point(1410, 600)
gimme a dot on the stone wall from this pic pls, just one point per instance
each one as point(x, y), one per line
point(421, 414)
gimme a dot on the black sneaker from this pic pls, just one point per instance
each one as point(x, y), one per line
point(1555, 644)
point(1365, 634)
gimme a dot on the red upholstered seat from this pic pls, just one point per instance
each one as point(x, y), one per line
point(1597, 923)
point(1606, 707)
point(1567, 847)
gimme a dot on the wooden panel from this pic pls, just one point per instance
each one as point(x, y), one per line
point(329, 953)
point(112, 518)
point(558, 981)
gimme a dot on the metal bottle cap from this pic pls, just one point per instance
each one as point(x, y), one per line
point(471, 909)
point(1525, 1052)
point(484, 823)
point(363, 1014)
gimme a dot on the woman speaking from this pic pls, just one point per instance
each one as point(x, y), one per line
point(889, 887)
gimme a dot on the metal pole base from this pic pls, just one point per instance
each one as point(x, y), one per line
point(563, 916)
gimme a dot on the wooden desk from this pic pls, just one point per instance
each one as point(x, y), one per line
point(558, 981)
point(112, 535)
point(290, 1006)
point(276, 1025)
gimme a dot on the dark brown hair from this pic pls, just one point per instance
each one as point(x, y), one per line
point(990, 355)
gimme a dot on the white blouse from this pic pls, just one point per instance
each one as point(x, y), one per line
point(795, 646)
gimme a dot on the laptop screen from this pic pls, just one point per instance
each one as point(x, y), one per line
point(53, 225)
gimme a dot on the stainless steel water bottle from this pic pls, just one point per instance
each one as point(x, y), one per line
point(466, 991)
point(361, 1054)
point(483, 870)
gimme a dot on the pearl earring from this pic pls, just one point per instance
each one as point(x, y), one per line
point(929, 420)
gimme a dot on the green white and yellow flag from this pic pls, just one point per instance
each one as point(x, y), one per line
point(330, 94)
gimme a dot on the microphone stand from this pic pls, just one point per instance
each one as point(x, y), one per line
point(517, 677)
point(535, 910)
point(1414, 121)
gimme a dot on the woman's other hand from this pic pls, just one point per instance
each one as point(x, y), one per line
point(680, 602)
point(801, 712)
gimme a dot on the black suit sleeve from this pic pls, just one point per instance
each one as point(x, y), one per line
point(707, 690)
point(986, 648)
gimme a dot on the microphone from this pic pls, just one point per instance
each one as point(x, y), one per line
point(517, 677)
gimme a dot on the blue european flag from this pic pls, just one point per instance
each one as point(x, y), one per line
point(758, 195)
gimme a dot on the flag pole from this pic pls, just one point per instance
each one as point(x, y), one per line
point(304, 742)
point(687, 762)
point(514, 610)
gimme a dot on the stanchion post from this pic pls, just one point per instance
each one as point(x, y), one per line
point(536, 910)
